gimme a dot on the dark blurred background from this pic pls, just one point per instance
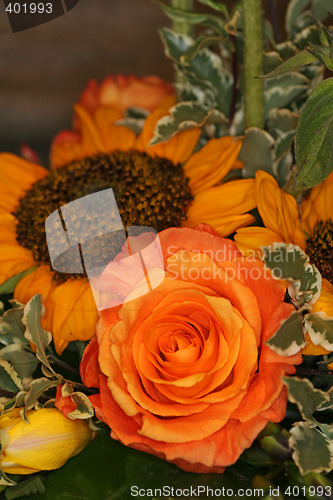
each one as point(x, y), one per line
point(44, 69)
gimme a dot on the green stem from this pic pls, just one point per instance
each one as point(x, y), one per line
point(253, 63)
point(182, 27)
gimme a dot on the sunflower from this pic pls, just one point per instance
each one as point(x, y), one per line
point(160, 186)
point(310, 227)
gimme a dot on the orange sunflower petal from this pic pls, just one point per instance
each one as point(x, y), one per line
point(223, 207)
point(250, 239)
point(212, 163)
point(17, 175)
point(319, 204)
point(177, 149)
point(13, 260)
point(74, 312)
point(278, 210)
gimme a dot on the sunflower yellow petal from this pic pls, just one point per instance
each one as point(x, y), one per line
point(319, 204)
point(278, 210)
point(177, 149)
point(211, 164)
point(13, 260)
point(45, 443)
point(39, 282)
point(250, 239)
point(91, 141)
point(230, 200)
point(74, 312)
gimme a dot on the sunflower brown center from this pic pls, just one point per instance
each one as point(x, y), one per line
point(320, 248)
point(149, 192)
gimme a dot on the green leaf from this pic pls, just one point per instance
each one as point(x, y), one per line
point(283, 90)
point(314, 137)
point(311, 449)
point(321, 9)
point(329, 404)
point(302, 392)
point(282, 120)
point(84, 407)
point(9, 285)
point(320, 329)
point(289, 338)
point(9, 379)
point(199, 44)
point(175, 44)
point(29, 487)
point(322, 54)
point(219, 6)
point(37, 388)
point(257, 152)
point(184, 116)
point(295, 62)
point(35, 333)
point(23, 361)
point(11, 327)
point(289, 262)
point(294, 9)
point(179, 15)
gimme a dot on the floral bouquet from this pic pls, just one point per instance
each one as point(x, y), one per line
point(167, 283)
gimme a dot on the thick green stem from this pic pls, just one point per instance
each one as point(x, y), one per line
point(181, 27)
point(253, 63)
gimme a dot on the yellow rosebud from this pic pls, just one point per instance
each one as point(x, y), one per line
point(45, 443)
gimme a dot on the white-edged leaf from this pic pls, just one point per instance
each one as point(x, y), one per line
point(37, 388)
point(257, 152)
point(11, 327)
point(30, 486)
point(289, 338)
point(24, 362)
point(84, 408)
point(283, 90)
point(329, 404)
point(289, 262)
point(312, 450)
point(9, 379)
point(294, 9)
point(320, 328)
point(184, 116)
point(302, 58)
point(35, 333)
point(307, 398)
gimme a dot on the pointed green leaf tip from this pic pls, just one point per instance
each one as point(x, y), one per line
point(289, 262)
point(291, 64)
point(35, 333)
point(314, 137)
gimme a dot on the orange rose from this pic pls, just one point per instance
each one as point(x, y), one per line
point(121, 92)
point(184, 372)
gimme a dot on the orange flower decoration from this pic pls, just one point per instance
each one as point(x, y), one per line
point(184, 372)
point(121, 92)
